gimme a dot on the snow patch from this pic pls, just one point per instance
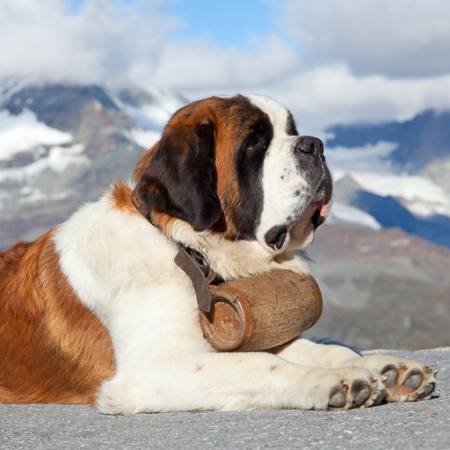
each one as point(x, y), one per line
point(370, 167)
point(153, 114)
point(408, 187)
point(58, 160)
point(348, 214)
point(21, 132)
point(144, 138)
point(344, 160)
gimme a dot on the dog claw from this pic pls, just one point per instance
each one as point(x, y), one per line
point(428, 389)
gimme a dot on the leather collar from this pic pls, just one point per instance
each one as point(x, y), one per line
point(197, 268)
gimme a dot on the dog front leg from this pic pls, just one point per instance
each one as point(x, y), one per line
point(235, 381)
point(307, 353)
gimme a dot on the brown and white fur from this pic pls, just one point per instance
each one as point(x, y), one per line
point(96, 311)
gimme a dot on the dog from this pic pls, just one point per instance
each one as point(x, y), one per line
point(97, 312)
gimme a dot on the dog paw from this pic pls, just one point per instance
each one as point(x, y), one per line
point(353, 388)
point(405, 380)
point(116, 398)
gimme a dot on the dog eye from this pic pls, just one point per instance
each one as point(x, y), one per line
point(256, 144)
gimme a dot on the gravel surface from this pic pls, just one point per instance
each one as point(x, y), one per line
point(425, 425)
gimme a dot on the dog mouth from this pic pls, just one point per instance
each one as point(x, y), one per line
point(320, 213)
point(314, 215)
point(319, 208)
point(302, 232)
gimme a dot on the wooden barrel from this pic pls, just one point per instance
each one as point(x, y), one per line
point(262, 312)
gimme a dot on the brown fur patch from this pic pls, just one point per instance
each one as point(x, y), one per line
point(13, 254)
point(121, 195)
point(53, 349)
point(232, 118)
point(162, 221)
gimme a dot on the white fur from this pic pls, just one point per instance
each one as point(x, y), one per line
point(122, 268)
point(286, 190)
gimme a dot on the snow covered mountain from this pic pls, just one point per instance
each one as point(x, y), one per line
point(418, 141)
point(62, 145)
point(395, 174)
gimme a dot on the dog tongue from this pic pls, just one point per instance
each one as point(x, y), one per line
point(324, 209)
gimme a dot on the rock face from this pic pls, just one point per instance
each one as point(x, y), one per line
point(381, 288)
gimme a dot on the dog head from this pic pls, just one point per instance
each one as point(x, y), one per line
point(236, 166)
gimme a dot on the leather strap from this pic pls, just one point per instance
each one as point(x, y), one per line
point(199, 281)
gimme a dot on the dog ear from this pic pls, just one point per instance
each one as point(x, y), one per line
point(180, 178)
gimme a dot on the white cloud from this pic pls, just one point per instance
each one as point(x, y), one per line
point(342, 64)
point(103, 41)
point(332, 94)
point(113, 42)
point(391, 37)
point(200, 64)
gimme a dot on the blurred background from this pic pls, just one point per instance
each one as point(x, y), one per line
point(86, 85)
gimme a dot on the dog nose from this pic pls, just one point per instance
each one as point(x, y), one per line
point(309, 144)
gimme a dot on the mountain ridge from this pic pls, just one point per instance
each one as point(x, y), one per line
point(419, 140)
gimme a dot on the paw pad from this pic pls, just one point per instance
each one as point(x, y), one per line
point(413, 379)
point(338, 396)
point(360, 391)
point(390, 375)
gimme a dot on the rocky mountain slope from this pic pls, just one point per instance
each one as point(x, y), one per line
point(382, 288)
point(62, 145)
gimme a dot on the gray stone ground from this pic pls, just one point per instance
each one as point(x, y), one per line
point(424, 425)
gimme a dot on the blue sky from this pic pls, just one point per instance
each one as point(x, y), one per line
point(225, 22)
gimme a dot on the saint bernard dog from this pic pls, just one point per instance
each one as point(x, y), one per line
point(97, 312)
